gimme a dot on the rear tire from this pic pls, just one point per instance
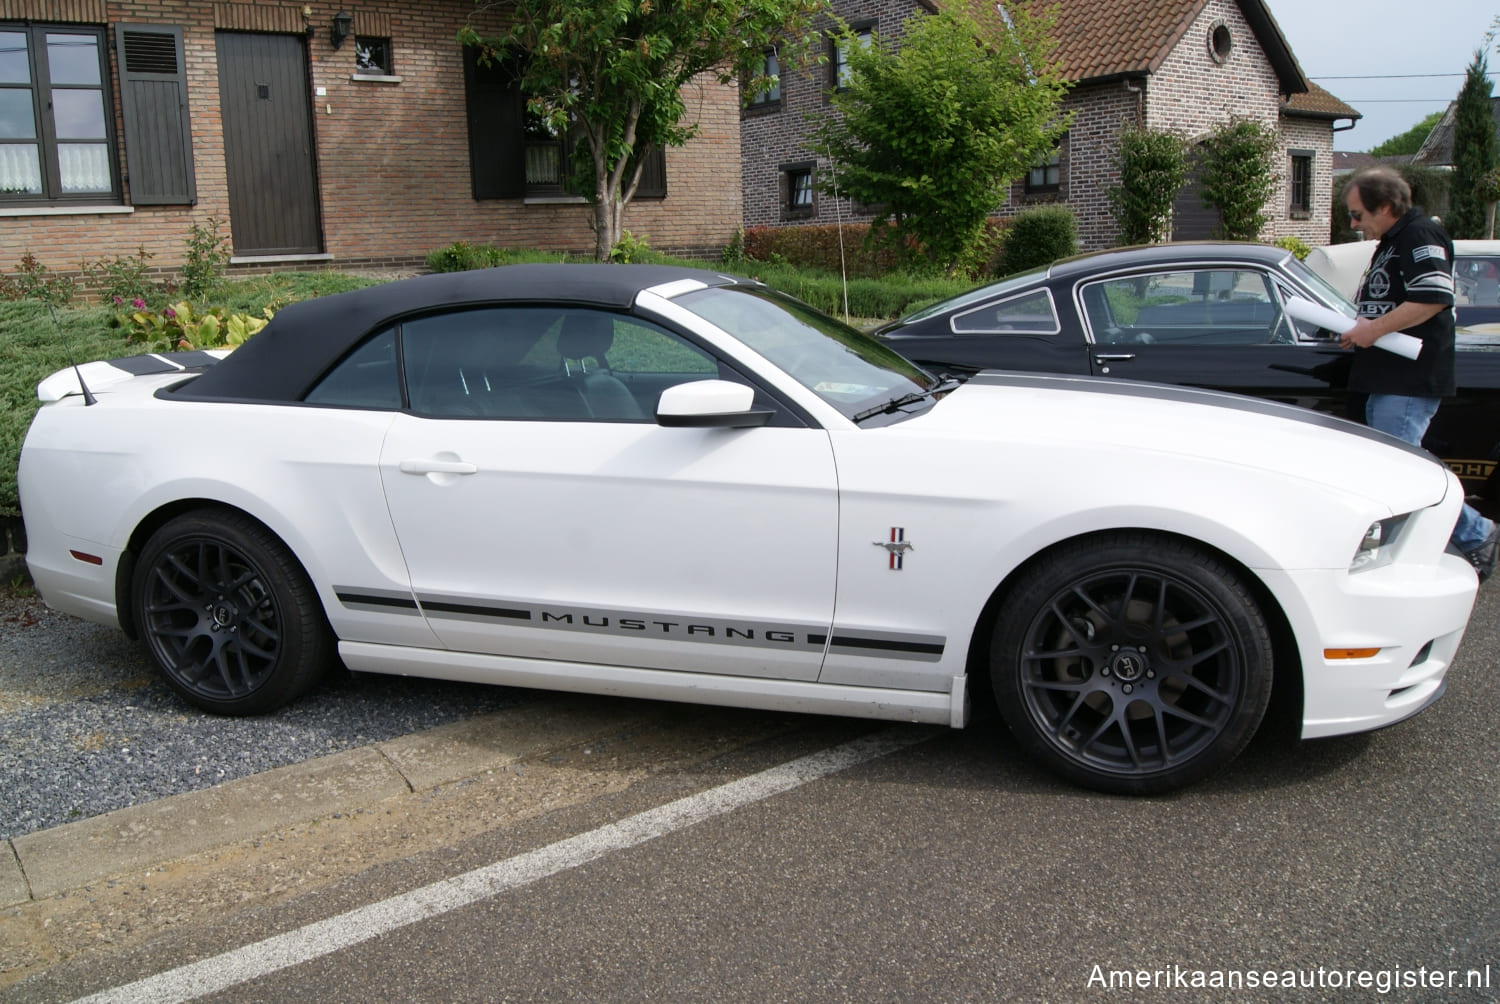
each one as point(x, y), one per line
point(1131, 663)
point(228, 614)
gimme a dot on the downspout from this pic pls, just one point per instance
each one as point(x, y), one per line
point(1140, 102)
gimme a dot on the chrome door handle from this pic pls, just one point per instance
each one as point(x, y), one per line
point(1113, 357)
point(438, 467)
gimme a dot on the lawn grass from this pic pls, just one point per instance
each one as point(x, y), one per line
point(31, 347)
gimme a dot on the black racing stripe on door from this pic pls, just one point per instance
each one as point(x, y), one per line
point(474, 610)
point(348, 597)
point(880, 644)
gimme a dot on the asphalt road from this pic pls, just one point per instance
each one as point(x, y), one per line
point(947, 869)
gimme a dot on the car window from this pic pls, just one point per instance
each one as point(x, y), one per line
point(366, 378)
point(544, 363)
point(1206, 306)
point(1476, 281)
point(1027, 314)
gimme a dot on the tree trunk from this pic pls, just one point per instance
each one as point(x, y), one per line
point(1489, 221)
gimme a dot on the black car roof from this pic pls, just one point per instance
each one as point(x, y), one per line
point(299, 344)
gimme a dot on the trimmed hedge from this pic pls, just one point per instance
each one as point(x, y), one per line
point(818, 246)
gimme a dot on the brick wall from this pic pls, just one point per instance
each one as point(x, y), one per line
point(778, 136)
point(392, 157)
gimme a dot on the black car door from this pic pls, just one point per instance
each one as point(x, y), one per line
point(1216, 326)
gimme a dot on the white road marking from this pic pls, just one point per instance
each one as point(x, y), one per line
point(336, 933)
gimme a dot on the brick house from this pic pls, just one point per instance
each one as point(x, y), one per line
point(1181, 65)
point(315, 135)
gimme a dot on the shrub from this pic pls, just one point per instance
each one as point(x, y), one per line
point(178, 327)
point(633, 250)
point(1153, 168)
point(1039, 237)
point(121, 280)
point(33, 281)
point(1238, 176)
point(207, 257)
point(461, 256)
point(1295, 245)
point(855, 252)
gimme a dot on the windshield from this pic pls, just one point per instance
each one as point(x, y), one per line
point(1322, 287)
point(847, 368)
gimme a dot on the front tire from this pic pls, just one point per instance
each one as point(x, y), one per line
point(228, 614)
point(1132, 663)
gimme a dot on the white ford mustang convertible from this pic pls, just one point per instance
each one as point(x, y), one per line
point(666, 483)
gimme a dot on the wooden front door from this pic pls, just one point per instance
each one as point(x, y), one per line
point(268, 144)
point(1191, 219)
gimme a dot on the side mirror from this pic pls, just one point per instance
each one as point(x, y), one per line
point(709, 404)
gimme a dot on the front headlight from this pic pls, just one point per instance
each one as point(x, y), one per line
point(1378, 545)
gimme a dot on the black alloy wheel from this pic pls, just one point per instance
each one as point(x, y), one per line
point(228, 614)
point(1132, 663)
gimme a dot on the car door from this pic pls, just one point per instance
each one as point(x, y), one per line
point(1218, 326)
point(544, 514)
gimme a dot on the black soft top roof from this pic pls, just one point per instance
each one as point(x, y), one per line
point(304, 339)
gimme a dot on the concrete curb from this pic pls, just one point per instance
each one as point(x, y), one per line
point(42, 864)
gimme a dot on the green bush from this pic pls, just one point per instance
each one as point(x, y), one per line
point(178, 327)
point(1039, 237)
point(460, 256)
point(121, 280)
point(1295, 245)
point(207, 258)
point(852, 249)
point(33, 281)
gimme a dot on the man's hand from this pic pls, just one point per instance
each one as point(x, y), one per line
point(1361, 336)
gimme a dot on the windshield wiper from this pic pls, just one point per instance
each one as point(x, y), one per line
point(897, 403)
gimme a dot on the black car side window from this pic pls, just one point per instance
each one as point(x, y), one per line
point(1027, 314)
point(366, 378)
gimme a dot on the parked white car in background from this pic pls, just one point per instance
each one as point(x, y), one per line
point(673, 484)
point(1476, 276)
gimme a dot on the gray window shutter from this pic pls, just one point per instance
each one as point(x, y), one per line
point(653, 174)
point(496, 119)
point(153, 98)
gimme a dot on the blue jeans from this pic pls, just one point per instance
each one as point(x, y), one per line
point(1406, 418)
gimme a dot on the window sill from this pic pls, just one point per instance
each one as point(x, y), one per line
point(1300, 214)
point(65, 210)
point(553, 200)
point(374, 78)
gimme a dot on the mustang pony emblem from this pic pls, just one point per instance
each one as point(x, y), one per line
point(897, 546)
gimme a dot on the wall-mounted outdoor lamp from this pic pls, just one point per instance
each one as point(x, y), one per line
point(342, 23)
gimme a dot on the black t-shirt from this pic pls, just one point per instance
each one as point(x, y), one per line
point(1413, 262)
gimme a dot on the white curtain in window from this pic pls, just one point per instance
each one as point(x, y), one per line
point(20, 169)
point(84, 167)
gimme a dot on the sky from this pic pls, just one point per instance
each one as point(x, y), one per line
point(1394, 61)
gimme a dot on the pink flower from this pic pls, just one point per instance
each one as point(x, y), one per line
point(169, 312)
point(138, 303)
point(118, 301)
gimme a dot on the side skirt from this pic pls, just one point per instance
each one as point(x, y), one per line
point(662, 685)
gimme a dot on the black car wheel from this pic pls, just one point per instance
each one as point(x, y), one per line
point(228, 614)
point(1131, 663)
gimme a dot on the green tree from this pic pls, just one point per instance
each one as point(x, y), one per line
point(1409, 142)
point(1474, 151)
point(611, 74)
point(1238, 176)
point(933, 133)
point(1153, 167)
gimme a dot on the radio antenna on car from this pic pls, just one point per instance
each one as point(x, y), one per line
point(88, 398)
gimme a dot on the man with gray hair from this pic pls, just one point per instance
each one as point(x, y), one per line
point(1408, 287)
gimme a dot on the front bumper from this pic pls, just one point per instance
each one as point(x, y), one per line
point(1414, 615)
